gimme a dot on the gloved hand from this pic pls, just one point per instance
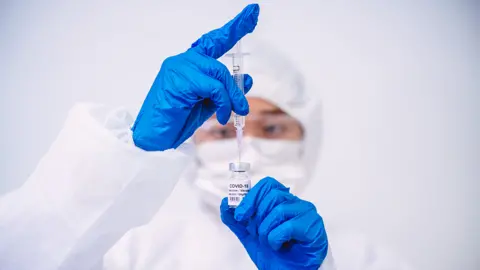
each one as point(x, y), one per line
point(193, 85)
point(278, 230)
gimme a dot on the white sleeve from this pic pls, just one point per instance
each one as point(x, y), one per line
point(91, 187)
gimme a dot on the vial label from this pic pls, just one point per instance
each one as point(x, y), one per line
point(236, 192)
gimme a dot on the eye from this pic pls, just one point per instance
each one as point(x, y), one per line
point(222, 133)
point(273, 130)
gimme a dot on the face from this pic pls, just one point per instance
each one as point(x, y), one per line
point(265, 121)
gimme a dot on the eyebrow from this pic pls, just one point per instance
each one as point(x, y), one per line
point(275, 111)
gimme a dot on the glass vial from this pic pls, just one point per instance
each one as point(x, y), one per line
point(239, 183)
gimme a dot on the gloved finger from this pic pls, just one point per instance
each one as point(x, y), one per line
point(247, 208)
point(238, 98)
point(207, 87)
point(224, 107)
point(226, 214)
point(220, 72)
point(205, 110)
point(247, 83)
point(281, 214)
point(252, 227)
point(219, 41)
point(307, 229)
point(273, 198)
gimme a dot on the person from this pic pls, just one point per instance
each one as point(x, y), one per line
point(112, 195)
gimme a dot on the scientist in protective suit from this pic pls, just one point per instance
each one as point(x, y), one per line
point(111, 195)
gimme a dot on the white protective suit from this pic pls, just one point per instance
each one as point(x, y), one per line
point(95, 201)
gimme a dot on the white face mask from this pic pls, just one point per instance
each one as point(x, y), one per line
point(280, 159)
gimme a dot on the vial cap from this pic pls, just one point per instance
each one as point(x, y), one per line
point(239, 167)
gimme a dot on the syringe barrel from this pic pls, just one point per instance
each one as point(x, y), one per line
point(238, 121)
point(237, 58)
point(237, 70)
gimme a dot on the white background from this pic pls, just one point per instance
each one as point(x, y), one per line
point(399, 80)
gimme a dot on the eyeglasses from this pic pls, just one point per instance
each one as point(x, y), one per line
point(266, 126)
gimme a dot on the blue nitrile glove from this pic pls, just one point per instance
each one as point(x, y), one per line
point(192, 86)
point(278, 230)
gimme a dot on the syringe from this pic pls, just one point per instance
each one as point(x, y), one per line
point(238, 120)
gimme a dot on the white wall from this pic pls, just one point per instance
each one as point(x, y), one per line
point(399, 82)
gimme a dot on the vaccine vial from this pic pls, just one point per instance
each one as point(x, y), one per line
point(239, 183)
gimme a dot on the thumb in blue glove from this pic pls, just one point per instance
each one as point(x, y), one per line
point(192, 86)
point(278, 230)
